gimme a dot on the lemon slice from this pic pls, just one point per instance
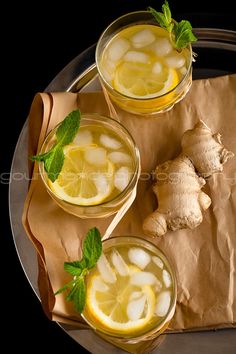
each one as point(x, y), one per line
point(139, 81)
point(114, 305)
point(83, 180)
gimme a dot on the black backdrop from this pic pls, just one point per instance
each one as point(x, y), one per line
point(37, 42)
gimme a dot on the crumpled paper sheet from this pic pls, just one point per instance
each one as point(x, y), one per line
point(204, 258)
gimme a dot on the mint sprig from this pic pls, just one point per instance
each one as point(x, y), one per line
point(181, 33)
point(54, 158)
point(92, 250)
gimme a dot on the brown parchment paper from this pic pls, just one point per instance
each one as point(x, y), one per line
point(204, 259)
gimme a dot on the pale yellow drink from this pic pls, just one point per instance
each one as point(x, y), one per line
point(100, 168)
point(131, 292)
point(141, 70)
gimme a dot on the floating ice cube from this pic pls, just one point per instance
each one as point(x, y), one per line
point(135, 308)
point(143, 278)
point(158, 286)
point(107, 75)
point(109, 142)
point(118, 48)
point(163, 303)
point(119, 157)
point(162, 47)
point(119, 263)
point(122, 178)
point(175, 60)
point(139, 257)
point(101, 183)
point(157, 68)
point(158, 261)
point(166, 278)
point(108, 70)
point(107, 273)
point(142, 38)
point(83, 138)
point(99, 285)
point(136, 57)
point(96, 156)
point(183, 70)
point(135, 295)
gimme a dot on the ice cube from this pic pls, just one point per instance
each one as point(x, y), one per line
point(157, 68)
point(118, 48)
point(162, 47)
point(136, 57)
point(101, 183)
point(175, 60)
point(107, 75)
point(119, 263)
point(139, 257)
point(163, 304)
point(122, 178)
point(143, 278)
point(158, 286)
point(108, 69)
point(109, 142)
point(142, 38)
point(183, 70)
point(166, 278)
point(107, 273)
point(135, 295)
point(119, 157)
point(158, 261)
point(83, 138)
point(135, 308)
point(99, 285)
point(96, 156)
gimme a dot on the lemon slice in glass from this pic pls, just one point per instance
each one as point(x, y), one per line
point(86, 177)
point(118, 305)
point(139, 81)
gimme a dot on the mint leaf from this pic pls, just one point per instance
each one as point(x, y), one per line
point(65, 133)
point(65, 287)
point(72, 293)
point(159, 17)
point(183, 34)
point(68, 128)
point(92, 247)
point(53, 163)
point(73, 268)
point(40, 157)
point(166, 11)
point(80, 295)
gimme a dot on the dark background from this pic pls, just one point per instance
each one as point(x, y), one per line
point(37, 43)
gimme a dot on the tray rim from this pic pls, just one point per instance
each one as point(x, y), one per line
point(63, 81)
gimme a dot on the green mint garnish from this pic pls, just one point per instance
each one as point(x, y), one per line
point(92, 250)
point(181, 33)
point(54, 158)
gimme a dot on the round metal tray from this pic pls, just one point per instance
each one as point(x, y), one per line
point(216, 51)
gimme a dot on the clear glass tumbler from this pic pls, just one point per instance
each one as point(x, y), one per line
point(131, 293)
point(124, 64)
point(93, 173)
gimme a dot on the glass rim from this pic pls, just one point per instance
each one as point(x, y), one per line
point(143, 99)
point(150, 332)
point(136, 154)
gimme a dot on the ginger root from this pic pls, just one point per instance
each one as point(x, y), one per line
point(205, 149)
point(178, 186)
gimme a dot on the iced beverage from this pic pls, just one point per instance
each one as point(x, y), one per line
point(100, 168)
point(131, 293)
point(139, 67)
